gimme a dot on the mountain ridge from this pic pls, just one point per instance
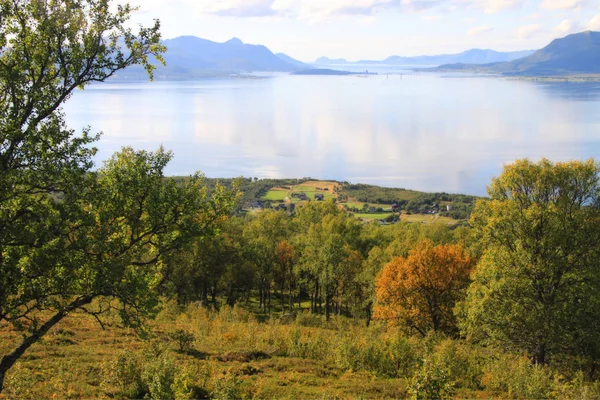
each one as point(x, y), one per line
point(578, 53)
point(191, 57)
point(475, 56)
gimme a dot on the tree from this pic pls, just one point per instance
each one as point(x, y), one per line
point(326, 253)
point(536, 288)
point(103, 246)
point(421, 290)
point(47, 50)
point(262, 236)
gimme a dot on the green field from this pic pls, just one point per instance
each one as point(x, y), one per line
point(423, 218)
point(373, 215)
point(275, 195)
point(359, 205)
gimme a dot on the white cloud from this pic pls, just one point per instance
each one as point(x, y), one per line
point(594, 24)
point(493, 6)
point(479, 30)
point(315, 10)
point(431, 18)
point(528, 31)
point(567, 27)
point(561, 4)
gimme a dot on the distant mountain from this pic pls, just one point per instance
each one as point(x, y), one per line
point(330, 61)
point(292, 61)
point(321, 71)
point(190, 56)
point(473, 56)
point(578, 53)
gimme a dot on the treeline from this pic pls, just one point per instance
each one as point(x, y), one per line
point(460, 205)
point(516, 278)
point(321, 259)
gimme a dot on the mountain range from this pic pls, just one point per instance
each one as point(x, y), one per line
point(576, 54)
point(190, 57)
point(473, 56)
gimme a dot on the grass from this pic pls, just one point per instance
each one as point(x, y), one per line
point(275, 195)
point(74, 360)
point(233, 355)
point(428, 218)
point(373, 215)
point(359, 205)
point(309, 188)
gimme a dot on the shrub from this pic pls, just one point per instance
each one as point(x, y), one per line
point(227, 387)
point(516, 376)
point(184, 339)
point(124, 374)
point(431, 382)
point(463, 364)
point(159, 376)
point(307, 318)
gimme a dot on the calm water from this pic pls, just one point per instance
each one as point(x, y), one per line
point(421, 132)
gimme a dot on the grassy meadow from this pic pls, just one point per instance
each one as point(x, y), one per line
point(230, 354)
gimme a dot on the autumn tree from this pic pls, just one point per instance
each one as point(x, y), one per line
point(536, 288)
point(420, 290)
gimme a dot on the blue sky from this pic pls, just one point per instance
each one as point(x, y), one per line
point(374, 29)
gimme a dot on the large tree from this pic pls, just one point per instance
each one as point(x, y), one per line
point(537, 286)
point(69, 238)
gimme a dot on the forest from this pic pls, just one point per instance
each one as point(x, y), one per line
point(118, 281)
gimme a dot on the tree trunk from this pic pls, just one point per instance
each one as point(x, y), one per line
point(10, 359)
point(539, 356)
point(326, 306)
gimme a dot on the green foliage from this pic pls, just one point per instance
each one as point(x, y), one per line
point(412, 201)
point(536, 287)
point(227, 387)
point(47, 195)
point(184, 339)
point(124, 375)
point(431, 382)
point(517, 377)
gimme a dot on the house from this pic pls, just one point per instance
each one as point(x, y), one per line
point(319, 196)
point(300, 195)
point(395, 208)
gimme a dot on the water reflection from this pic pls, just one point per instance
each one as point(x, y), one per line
point(416, 131)
point(575, 91)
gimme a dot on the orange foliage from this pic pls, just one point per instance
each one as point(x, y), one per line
point(421, 290)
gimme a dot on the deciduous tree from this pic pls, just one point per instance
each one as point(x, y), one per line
point(420, 290)
point(537, 286)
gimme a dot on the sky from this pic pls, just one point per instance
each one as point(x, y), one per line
point(373, 29)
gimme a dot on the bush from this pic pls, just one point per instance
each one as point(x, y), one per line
point(184, 339)
point(431, 382)
point(227, 387)
point(463, 364)
point(307, 318)
point(124, 374)
point(159, 376)
point(516, 376)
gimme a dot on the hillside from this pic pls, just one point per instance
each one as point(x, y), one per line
point(574, 54)
point(190, 56)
